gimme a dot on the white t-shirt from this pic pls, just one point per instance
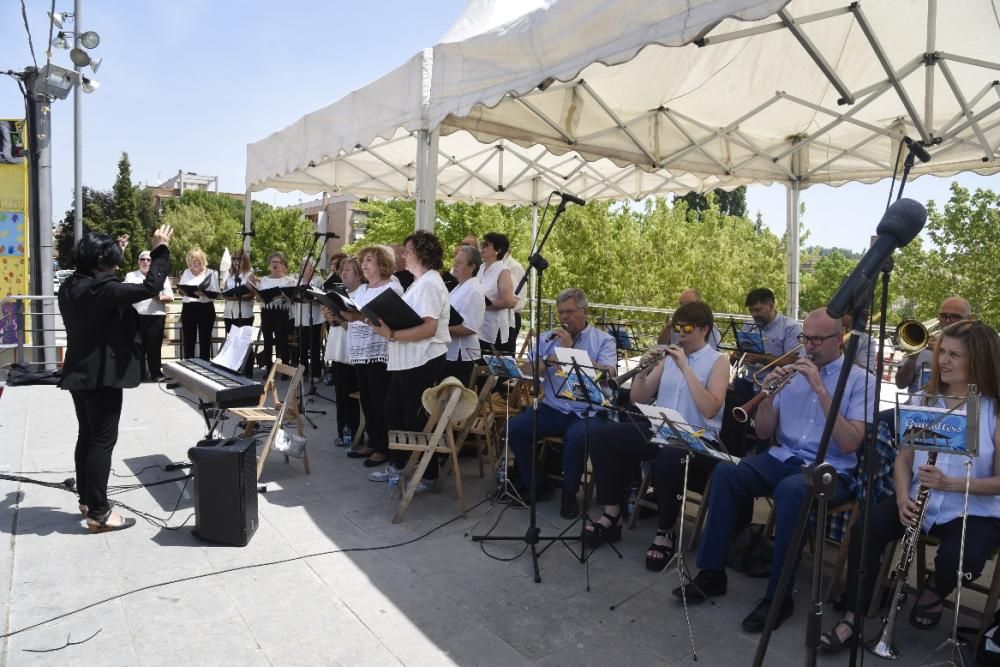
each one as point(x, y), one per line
point(188, 278)
point(243, 309)
point(468, 300)
point(494, 321)
point(300, 311)
point(149, 306)
point(516, 274)
point(428, 297)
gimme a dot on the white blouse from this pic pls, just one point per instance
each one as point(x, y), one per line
point(188, 278)
point(467, 299)
point(149, 306)
point(300, 311)
point(494, 321)
point(428, 297)
point(243, 309)
point(364, 346)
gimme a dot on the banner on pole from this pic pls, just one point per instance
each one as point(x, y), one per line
point(13, 223)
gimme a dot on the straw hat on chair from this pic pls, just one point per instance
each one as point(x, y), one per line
point(468, 402)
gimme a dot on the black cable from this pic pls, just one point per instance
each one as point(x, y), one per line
point(482, 543)
point(234, 569)
point(157, 521)
point(31, 46)
point(59, 648)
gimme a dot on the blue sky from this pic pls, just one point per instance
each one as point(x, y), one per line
point(186, 84)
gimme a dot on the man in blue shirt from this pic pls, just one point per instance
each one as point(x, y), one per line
point(778, 472)
point(559, 416)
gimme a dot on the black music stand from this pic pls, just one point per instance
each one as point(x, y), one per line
point(532, 535)
point(504, 367)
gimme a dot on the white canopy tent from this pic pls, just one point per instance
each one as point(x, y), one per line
point(632, 98)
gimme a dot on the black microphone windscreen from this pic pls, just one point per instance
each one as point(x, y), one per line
point(903, 220)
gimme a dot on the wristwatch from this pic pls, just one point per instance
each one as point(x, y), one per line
point(392, 336)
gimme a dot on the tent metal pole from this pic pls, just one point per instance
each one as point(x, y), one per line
point(534, 239)
point(427, 161)
point(792, 197)
point(929, 68)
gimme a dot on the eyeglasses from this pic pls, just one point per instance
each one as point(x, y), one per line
point(685, 328)
point(145, 259)
point(816, 340)
point(567, 311)
point(950, 317)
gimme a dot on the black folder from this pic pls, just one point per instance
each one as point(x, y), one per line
point(333, 299)
point(238, 291)
point(390, 308)
point(455, 318)
point(272, 293)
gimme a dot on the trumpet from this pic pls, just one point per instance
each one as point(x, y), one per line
point(643, 368)
point(912, 336)
point(743, 412)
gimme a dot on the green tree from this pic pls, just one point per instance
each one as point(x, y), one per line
point(125, 211)
point(97, 217)
point(731, 202)
point(279, 230)
point(820, 284)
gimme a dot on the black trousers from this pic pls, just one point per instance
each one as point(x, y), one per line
point(98, 412)
point(373, 384)
point(982, 536)
point(511, 345)
point(310, 354)
point(459, 369)
point(151, 336)
point(274, 328)
point(197, 320)
point(616, 450)
point(229, 323)
point(403, 407)
point(345, 382)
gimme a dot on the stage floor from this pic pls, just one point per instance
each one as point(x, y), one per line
point(437, 600)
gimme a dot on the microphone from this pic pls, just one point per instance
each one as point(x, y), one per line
point(567, 197)
point(917, 149)
point(900, 225)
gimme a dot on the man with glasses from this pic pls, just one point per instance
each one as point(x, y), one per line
point(777, 331)
point(559, 416)
point(152, 315)
point(913, 373)
point(795, 417)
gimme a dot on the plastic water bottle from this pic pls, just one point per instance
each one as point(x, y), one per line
point(501, 472)
point(345, 437)
point(633, 495)
point(393, 480)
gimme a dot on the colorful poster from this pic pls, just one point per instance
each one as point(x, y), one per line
point(931, 428)
point(13, 223)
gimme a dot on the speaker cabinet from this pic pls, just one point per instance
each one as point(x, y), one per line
point(225, 490)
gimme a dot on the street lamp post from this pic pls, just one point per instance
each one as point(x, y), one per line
point(77, 137)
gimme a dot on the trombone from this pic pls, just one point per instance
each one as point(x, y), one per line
point(761, 372)
point(912, 336)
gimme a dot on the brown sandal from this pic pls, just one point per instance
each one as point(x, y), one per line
point(101, 524)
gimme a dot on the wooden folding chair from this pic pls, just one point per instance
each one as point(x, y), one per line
point(437, 438)
point(281, 410)
point(479, 427)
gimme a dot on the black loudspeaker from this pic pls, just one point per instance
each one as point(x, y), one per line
point(225, 490)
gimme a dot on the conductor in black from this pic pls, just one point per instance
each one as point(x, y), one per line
point(103, 357)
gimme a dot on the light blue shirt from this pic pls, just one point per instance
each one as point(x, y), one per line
point(800, 426)
point(674, 392)
point(943, 506)
point(780, 336)
point(601, 348)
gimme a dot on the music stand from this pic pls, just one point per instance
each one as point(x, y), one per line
point(505, 367)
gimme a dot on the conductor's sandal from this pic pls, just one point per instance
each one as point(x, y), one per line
point(109, 522)
point(658, 555)
point(597, 533)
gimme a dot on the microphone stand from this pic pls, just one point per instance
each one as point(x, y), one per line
point(532, 535)
point(299, 325)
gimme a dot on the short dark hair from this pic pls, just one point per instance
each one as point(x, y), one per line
point(96, 251)
point(499, 241)
point(697, 313)
point(759, 295)
point(427, 248)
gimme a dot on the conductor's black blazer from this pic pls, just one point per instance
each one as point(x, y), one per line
point(102, 347)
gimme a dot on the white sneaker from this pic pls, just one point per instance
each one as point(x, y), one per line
point(423, 486)
point(384, 475)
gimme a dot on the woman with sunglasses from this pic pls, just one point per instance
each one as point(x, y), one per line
point(692, 379)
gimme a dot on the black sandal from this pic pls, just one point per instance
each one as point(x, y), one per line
point(831, 641)
point(919, 611)
point(597, 533)
point(101, 525)
point(665, 553)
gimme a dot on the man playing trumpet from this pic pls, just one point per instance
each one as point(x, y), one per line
point(909, 375)
point(778, 471)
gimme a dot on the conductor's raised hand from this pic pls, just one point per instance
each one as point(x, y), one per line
point(162, 235)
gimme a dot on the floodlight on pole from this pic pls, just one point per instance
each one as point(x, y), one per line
point(90, 39)
point(60, 42)
point(94, 64)
point(58, 18)
point(88, 85)
point(53, 82)
point(79, 57)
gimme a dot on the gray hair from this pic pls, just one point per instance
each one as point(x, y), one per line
point(472, 255)
point(574, 293)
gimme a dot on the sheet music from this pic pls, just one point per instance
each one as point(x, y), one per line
point(567, 355)
point(234, 351)
point(693, 436)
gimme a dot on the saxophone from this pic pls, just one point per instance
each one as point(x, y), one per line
point(882, 646)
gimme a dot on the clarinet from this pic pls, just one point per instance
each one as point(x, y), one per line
point(882, 646)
